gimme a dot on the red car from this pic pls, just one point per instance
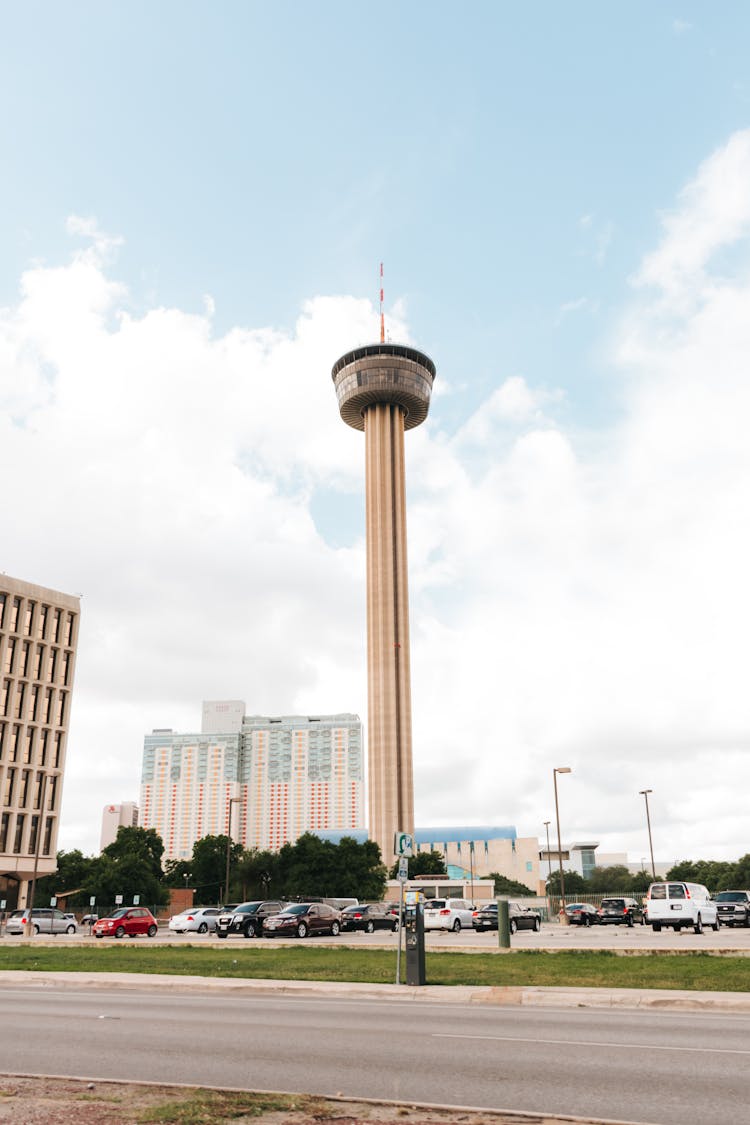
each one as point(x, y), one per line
point(127, 921)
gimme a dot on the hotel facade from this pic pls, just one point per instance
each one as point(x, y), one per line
point(38, 638)
point(263, 781)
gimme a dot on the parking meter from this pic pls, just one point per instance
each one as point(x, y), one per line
point(414, 933)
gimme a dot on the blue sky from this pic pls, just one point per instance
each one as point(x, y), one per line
point(237, 172)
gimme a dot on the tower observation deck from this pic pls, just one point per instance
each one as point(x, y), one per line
point(384, 389)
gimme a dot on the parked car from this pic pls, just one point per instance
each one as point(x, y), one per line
point(680, 905)
point(247, 918)
point(582, 914)
point(45, 920)
point(199, 920)
point(89, 919)
point(448, 914)
point(302, 919)
point(128, 921)
point(485, 918)
point(522, 917)
point(620, 912)
point(733, 908)
point(369, 916)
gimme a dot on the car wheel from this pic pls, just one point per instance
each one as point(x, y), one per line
point(457, 926)
point(586, 920)
point(151, 931)
point(746, 923)
point(656, 927)
point(249, 930)
point(120, 931)
point(220, 935)
point(630, 922)
point(97, 936)
point(715, 926)
point(70, 930)
point(335, 929)
point(36, 929)
point(369, 927)
point(395, 928)
point(537, 925)
point(302, 930)
point(513, 926)
point(698, 927)
point(203, 928)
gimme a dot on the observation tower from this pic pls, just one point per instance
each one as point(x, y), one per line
point(384, 389)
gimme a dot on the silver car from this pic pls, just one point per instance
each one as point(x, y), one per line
point(45, 920)
point(200, 920)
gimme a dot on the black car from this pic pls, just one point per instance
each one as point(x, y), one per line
point(519, 917)
point(620, 912)
point(247, 918)
point(733, 908)
point(582, 914)
point(369, 916)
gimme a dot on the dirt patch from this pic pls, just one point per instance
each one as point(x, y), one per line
point(52, 1101)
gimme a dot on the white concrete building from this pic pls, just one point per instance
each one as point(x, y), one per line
point(115, 817)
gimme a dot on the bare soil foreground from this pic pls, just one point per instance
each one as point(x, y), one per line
point(51, 1101)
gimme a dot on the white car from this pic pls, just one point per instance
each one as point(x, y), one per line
point(680, 905)
point(201, 920)
point(448, 914)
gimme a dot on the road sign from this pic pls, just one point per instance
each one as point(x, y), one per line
point(403, 869)
point(136, 900)
point(403, 844)
point(118, 900)
point(53, 901)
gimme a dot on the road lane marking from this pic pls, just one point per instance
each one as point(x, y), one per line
point(593, 1043)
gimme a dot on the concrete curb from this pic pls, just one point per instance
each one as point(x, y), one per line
point(660, 999)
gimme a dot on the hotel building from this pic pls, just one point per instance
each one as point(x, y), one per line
point(263, 781)
point(38, 637)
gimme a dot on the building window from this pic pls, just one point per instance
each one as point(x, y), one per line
point(47, 836)
point(56, 625)
point(43, 737)
point(16, 748)
point(33, 701)
point(28, 750)
point(32, 834)
point(10, 778)
point(10, 650)
point(27, 619)
point(51, 664)
point(25, 779)
point(18, 838)
point(24, 668)
point(3, 601)
point(68, 639)
point(15, 610)
point(4, 697)
point(38, 657)
point(2, 739)
point(4, 822)
point(18, 704)
point(42, 621)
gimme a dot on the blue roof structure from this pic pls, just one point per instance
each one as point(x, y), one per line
point(440, 835)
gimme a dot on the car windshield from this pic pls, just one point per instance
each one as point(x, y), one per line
point(248, 908)
point(298, 908)
point(731, 896)
point(354, 909)
point(119, 913)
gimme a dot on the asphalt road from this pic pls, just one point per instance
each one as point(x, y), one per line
point(655, 1067)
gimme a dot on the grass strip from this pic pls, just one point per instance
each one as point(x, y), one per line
point(585, 969)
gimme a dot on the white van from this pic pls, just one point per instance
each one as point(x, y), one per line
point(680, 905)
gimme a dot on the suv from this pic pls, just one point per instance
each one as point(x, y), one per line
point(448, 914)
point(680, 905)
point(733, 907)
point(247, 918)
point(44, 921)
point(620, 911)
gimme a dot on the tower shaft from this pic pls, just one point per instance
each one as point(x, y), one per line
point(390, 788)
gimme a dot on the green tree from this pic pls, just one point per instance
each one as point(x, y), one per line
point(575, 884)
point(73, 871)
point(130, 865)
point(423, 863)
point(208, 868)
point(360, 872)
point(505, 886)
point(605, 880)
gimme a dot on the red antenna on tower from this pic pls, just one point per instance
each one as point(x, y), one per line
point(382, 319)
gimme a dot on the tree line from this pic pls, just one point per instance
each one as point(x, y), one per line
point(717, 875)
point(133, 864)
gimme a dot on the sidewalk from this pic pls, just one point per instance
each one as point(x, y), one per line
point(661, 999)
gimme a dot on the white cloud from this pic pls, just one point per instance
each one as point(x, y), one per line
point(573, 602)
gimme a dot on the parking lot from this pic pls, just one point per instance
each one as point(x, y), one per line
point(552, 937)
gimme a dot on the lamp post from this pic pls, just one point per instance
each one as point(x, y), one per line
point(549, 873)
point(232, 801)
point(37, 848)
point(564, 920)
point(644, 793)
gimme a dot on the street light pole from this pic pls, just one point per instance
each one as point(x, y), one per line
point(564, 920)
point(232, 801)
point(644, 793)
